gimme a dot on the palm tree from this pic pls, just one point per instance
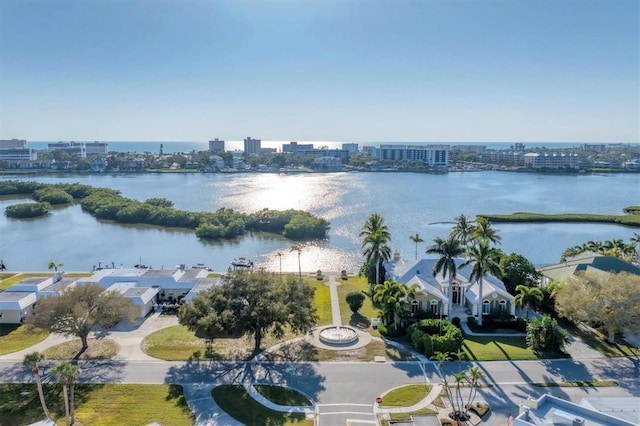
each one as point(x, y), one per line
point(67, 373)
point(416, 239)
point(448, 250)
point(393, 298)
point(474, 375)
point(486, 260)
point(54, 265)
point(32, 360)
point(374, 224)
point(376, 252)
point(484, 230)
point(528, 297)
point(463, 230)
point(298, 249)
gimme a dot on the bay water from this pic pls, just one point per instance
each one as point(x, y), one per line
point(410, 203)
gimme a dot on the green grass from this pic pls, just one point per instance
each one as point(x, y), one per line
point(322, 302)
point(283, 396)
point(577, 384)
point(489, 348)
point(525, 217)
point(12, 279)
point(235, 400)
point(102, 405)
point(14, 337)
point(406, 396)
point(368, 310)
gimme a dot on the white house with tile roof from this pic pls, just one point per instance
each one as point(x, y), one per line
point(435, 289)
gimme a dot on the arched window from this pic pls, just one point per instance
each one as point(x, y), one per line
point(503, 306)
point(486, 307)
point(415, 306)
point(434, 307)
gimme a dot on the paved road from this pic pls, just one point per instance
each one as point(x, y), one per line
point(346, 390)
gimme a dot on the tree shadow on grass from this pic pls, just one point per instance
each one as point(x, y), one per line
point(359, 320)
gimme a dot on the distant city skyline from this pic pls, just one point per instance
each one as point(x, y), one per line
point(532, 71)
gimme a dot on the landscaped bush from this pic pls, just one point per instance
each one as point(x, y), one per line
point(456, 321)
point(442, 336)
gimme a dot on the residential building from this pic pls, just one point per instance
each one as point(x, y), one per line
point(342, 154)
point(216, 145)
point(429, 155)
point(502, 157)
point(434, 290)
point(351, 147)
point(252, 146)
point(551, 160)
point(294, 147)
point(585, 262)
point(328, 163)
point(13, 143)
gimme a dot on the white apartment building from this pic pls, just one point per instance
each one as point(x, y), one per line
point(430, 155)
point(551, 160)
point(13, 143)
point(252, 146)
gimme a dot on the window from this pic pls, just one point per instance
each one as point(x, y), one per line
point(415, 306)
point(503, 306)
point(434, 306)
point(486, 307)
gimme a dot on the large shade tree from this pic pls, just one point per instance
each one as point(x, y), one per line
point(32, 361)
point(375, 245)
point(448, 252)
point(485, 261)
point(606, 299)
point(256, 304)
point(516, 270)
point(80, 308)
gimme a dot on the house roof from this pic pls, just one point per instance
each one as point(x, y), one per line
point(587, 262)
point(16, 300)
point(130, 290)
point(427, 287)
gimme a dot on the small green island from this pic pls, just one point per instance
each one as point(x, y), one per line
point(631, 217)
point(109, 204)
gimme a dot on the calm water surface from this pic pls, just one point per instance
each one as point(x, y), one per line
point(409, 202)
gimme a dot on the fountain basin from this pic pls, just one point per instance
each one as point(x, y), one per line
point(338, 336)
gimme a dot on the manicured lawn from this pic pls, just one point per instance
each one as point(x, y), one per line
point(104, 405)
point(15, 337)
point(368, 311)
point(98, 349)
point(322, 302)
point(283, 396)
point(235, 400)
point(406, 396)
point(481, 348)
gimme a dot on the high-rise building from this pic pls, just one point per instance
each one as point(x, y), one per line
point(252, 146)
point(430, 155)
point(351, 147)
point(97, 148)
point(295, 147)
point(13, 143)
point(216, 145)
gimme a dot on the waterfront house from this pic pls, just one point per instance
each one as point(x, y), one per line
point(434, 290)
point(585, 262)
point(15, 305)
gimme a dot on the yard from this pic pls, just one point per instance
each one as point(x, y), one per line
point(14, 337)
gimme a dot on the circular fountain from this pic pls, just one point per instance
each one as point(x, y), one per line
point(338, 336)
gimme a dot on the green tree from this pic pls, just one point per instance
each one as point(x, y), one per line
point(612, 300)
point(416, 239)
point(544, 334)
point(32, 361)
point(376, 236)
point(55, 266)
point(298, 248)
point(516, 269)
point(448, 250)
point(394, 298)
point(355, 299)
point(78, 309)
point(484, 230)
point(463, 230)
point(485, 260)
point(67, 373)
point(528, 297)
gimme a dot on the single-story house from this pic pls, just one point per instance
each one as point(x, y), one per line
point(15, 305)
point(434, 290)
point(143, 298)
point(585, 262)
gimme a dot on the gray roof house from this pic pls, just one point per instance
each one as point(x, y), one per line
point(586, 262)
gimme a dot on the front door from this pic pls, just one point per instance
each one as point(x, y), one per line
point(455, 295)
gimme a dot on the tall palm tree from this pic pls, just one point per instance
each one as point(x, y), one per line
point(374, 224)
point(67, 373)
point(376, 252)
point(474, 374)
point(54, 265)
point(528, 297)
point(298, 249)
point(484, 230)
point(31, 361)
point(463, 230)
point(448, 250)
point(486, 260)
point(416, 239)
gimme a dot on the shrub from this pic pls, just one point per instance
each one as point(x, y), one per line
point(52, 196)
point(27, 210)
point(417, 338)
point(443, 336)
point(456, 321)
point(355, 300)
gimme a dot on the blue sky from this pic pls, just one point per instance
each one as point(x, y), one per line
point(341, 70)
